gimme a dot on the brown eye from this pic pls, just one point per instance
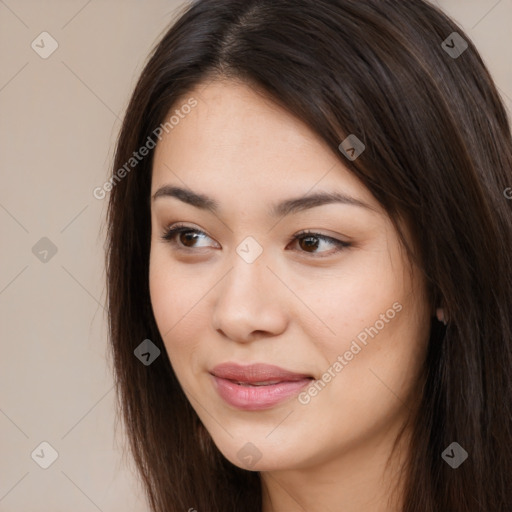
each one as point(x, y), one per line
point(187, 238)
point(309, 242)
point(184, 237)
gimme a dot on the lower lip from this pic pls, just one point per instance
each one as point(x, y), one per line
point(256, 398)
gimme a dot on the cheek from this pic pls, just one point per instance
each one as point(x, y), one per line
point(380, 372)
point(178, 299)
point(354, 297)
point(379, 322)
point(365, 385)
point(174, 296)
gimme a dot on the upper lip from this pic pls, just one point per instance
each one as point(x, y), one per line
point(258, 372)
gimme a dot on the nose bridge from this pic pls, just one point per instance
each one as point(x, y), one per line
point(247, 279)
point(245, 302)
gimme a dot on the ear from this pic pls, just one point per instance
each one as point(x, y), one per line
point(441, 315)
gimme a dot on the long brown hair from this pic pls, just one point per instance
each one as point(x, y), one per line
point(438, 152)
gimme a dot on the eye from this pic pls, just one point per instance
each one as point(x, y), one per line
point(184, 238)
point(309, 241)
point(186, 235)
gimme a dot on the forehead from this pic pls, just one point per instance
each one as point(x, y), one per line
point(237, 140)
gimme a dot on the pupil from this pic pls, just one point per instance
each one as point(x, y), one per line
point(190, 236)
point(313, 245)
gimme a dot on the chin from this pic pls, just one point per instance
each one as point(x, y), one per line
point(259, 455)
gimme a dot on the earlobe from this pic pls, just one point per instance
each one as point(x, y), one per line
point(441, 316)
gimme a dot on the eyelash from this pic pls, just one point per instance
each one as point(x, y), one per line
point(170, 234)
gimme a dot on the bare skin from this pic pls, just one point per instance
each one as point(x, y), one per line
point(299, 305)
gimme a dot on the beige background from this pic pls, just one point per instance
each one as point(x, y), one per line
point(59, 120)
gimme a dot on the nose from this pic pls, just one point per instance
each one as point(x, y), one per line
point(248, 304)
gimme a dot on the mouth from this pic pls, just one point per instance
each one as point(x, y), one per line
point(258, 374)
point(258, 386)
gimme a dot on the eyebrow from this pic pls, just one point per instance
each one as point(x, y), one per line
point(281, 209)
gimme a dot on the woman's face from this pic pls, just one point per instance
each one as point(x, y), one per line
point(339, 305)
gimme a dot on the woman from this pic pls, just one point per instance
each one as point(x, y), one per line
point(309, 263)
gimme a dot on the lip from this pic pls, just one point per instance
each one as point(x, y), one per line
point(246, 397)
